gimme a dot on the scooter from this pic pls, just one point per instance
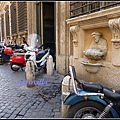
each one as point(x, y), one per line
point(17, 61)
point(1, 54)
point(89, 99)
point(35, 57)
point(6, 52)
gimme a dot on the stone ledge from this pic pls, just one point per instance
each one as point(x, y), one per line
point(97, 19)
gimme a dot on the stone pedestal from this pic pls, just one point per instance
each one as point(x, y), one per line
point(65, 84)
point(50, 65)
point(30, 74)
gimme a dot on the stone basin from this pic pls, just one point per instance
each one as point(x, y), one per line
point(92, 68)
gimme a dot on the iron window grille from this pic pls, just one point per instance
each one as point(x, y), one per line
point(82, 8)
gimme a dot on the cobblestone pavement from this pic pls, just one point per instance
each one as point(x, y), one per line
point(19, 101)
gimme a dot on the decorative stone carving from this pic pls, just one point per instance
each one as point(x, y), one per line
point(74, 30)
point(114, 25)
point(98, 48)
point(97, 51)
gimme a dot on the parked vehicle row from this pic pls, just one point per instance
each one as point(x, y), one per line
point(32, 57)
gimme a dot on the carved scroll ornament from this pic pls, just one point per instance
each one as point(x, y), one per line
point(74, 30)
point(114, 25)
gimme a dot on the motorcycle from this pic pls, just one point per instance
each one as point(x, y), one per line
point(35, 57)
point(17, 61)
point(90, 99)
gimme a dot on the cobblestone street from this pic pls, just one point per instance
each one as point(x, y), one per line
point(19, 101)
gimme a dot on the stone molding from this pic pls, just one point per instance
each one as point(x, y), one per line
point(74, 30)
point(101, 18)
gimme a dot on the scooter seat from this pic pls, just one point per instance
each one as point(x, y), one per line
point(96, 87)
point(92, 87)
point(19, 53)
point(110, 94)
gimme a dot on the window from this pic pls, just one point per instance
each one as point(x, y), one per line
point(7, 23)
point(13, 18)
point(82, 8)
point(22, 16)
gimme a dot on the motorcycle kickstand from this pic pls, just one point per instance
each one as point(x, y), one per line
point(106, 110)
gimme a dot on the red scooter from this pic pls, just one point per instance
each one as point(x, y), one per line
point(17, 61)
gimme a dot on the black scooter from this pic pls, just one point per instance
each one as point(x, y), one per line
point(5, 57)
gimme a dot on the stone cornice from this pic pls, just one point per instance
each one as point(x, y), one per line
point(101, 17)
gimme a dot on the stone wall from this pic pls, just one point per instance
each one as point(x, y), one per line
point(80, 28)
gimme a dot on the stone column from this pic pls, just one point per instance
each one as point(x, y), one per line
point(62, 10)
point(75, 30)
point(5, 38)
point(0, 30)
point(31, 17)
point(10, 21)
point(114, 25)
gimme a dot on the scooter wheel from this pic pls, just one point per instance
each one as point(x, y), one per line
point(1, 62)
point(14, 69)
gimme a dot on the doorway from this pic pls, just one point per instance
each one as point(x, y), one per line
point(46, 25)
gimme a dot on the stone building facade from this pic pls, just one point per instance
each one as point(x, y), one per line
point(74, 22)
point(83, 19)
point(15, 22)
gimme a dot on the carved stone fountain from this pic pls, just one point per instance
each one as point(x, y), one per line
point(95, 53)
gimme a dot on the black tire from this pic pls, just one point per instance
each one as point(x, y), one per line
point(86, 109)
point(1, 62)
point(14, 69)
point(45, 69)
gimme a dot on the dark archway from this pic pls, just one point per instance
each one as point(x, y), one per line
point(46, 25)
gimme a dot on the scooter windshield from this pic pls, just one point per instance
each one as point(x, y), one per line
point(34, 40)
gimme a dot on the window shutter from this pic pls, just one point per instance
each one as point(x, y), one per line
point(13, 18)
point(7, 23)
point(22, 16)
point(2, 26)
